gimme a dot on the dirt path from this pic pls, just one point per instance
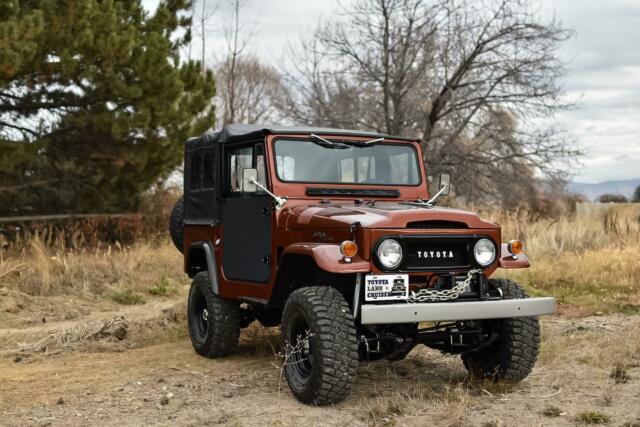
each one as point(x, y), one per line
point(168, 384)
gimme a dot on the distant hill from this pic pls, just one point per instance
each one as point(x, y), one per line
point(592, 191)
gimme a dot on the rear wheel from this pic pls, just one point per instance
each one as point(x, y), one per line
point(512, 356)
point(214, 322)
point(320, 346)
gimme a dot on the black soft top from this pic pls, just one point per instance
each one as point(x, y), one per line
point(233, 132)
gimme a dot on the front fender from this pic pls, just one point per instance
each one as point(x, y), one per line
point(507, 259)
point(328, 258)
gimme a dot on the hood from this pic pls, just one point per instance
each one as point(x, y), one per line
point(378, 215)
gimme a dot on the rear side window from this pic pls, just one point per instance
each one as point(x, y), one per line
point(208, 171)
point(195, 182)
point(202, 170)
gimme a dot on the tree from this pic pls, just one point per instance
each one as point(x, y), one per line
point(636, 195)
point(235, 47)
point(249, 90)
point(203, 13)
point(612, 198)
point(257, 96)
point(94, 102)
point(449, 72)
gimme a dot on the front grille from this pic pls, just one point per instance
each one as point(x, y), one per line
point(436, 224)
point(437, 253)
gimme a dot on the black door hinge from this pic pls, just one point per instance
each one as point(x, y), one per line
point(266, 259)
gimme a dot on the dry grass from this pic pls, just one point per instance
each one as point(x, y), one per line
point(618, 353)
point(10, 266)
point(595, 343)
point(618, 227)
point(452, 400)
point(264, 341)
point(589, 262)
point(78, 335)
point(114, 271)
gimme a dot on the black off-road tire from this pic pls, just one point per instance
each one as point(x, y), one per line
point(512, 357)
point(214, 334)
point(320, 345)
point(176, 224)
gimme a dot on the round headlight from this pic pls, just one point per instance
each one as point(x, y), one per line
point(484, 252)
point(389, 253)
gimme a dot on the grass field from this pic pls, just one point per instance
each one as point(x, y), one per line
point(589, 263)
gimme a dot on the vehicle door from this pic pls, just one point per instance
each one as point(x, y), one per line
point(246, 217)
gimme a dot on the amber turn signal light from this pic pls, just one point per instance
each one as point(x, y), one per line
point(515, 247)
point(348, 248)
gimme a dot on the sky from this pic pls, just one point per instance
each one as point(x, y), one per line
point(603, 60)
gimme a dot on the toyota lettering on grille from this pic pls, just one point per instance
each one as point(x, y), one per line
point(435, 254)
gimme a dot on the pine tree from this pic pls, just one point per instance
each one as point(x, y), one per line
point(95, 102)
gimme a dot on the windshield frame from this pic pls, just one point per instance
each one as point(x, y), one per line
point(354, 143)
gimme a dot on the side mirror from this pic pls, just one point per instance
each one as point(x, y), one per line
point(249, 176)
point(445, 186)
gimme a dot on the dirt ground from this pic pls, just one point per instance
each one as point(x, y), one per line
point(72, 369)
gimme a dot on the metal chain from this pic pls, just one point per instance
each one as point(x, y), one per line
point(425, 295)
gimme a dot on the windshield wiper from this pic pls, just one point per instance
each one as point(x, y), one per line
point(344, 144)
point(326, 143)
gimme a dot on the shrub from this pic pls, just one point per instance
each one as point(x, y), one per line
point(162, 287)
point(594, 417)
point(127, 297)
point(552, 411)
point(612, 198)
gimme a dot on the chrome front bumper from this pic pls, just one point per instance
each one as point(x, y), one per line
point(440, 311)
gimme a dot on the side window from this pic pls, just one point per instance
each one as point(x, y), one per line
point(202, 170)
point(239, 159)
point(195, 177)
point(209, 170)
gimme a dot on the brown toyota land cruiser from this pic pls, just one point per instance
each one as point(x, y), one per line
point(333, 235)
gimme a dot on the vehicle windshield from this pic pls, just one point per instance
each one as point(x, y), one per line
point(313, 161)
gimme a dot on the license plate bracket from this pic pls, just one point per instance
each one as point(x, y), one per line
point(386, 287)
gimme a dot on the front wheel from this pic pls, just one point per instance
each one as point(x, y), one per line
point(319, 344)
point(512, 356)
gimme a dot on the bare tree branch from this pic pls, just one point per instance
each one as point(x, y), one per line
point(475, 80)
